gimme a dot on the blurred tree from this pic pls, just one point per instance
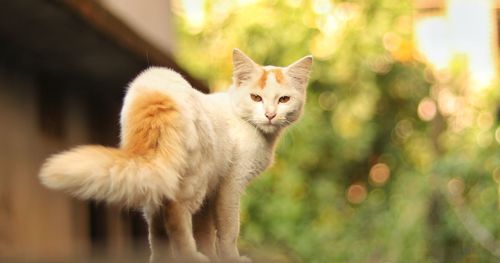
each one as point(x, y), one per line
point(377, 170)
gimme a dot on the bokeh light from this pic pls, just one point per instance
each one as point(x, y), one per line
point(456, 187)
point(484, 139)
point(356, 193)
point(448, 103)
point(404, 129)
point(496, 175)
point(327, 100)
point(379, 174)
point(485, 120)
point(427, 109)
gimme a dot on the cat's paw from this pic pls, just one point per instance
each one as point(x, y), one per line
point(244, 259)
point(197, 257)
point(240, 259)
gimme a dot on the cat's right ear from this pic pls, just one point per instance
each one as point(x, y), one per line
point(243, 67)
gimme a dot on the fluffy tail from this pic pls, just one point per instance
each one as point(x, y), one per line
point(109, 174)
point(146, 169)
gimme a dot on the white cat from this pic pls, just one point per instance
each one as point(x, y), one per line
point(186, 153)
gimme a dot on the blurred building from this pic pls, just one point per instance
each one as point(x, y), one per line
point(63, 69)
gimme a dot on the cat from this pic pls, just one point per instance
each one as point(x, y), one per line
point(186, 157)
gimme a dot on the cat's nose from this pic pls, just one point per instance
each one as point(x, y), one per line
point(270, 115)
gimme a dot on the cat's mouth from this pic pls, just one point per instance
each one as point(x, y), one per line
point(268, 123)
point(268, 126)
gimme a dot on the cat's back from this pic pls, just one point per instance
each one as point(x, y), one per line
point(160, 79)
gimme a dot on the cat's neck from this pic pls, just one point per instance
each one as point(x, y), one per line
point(273, 137)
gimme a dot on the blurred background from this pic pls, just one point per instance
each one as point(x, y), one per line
point(396, 158)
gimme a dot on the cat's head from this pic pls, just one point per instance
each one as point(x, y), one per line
point(269, 97)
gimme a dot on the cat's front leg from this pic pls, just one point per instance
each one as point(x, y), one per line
point(228, 220)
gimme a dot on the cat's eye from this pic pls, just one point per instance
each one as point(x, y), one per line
point(284, 99)
point(256, 98)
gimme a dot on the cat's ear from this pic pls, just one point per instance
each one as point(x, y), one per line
point(243, 67)
point(299, 71)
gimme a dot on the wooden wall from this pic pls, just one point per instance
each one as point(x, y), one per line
point(41, 115)
point(35, 222)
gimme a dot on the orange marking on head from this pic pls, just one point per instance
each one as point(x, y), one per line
point(278, 75)
point(262, 79)
point(152, 117)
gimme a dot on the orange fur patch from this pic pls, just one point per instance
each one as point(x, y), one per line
point(262, 79)
point(150, 119)
point(278, 74)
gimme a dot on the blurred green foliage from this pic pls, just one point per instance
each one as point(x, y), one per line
point(318, 203)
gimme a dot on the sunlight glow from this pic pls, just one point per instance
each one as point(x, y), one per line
point(322, 6)
point(448, 103)
point(471, 26)
point(433, 41)
point(246, 2)
point(333, 17)
point(465, 28)
point(194, 13)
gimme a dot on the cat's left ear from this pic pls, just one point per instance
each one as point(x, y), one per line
point(243, 67)
point(299, 71)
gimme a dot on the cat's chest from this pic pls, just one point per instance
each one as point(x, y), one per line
point(251, 150)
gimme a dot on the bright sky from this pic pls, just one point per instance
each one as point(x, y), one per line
point(467, 28)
